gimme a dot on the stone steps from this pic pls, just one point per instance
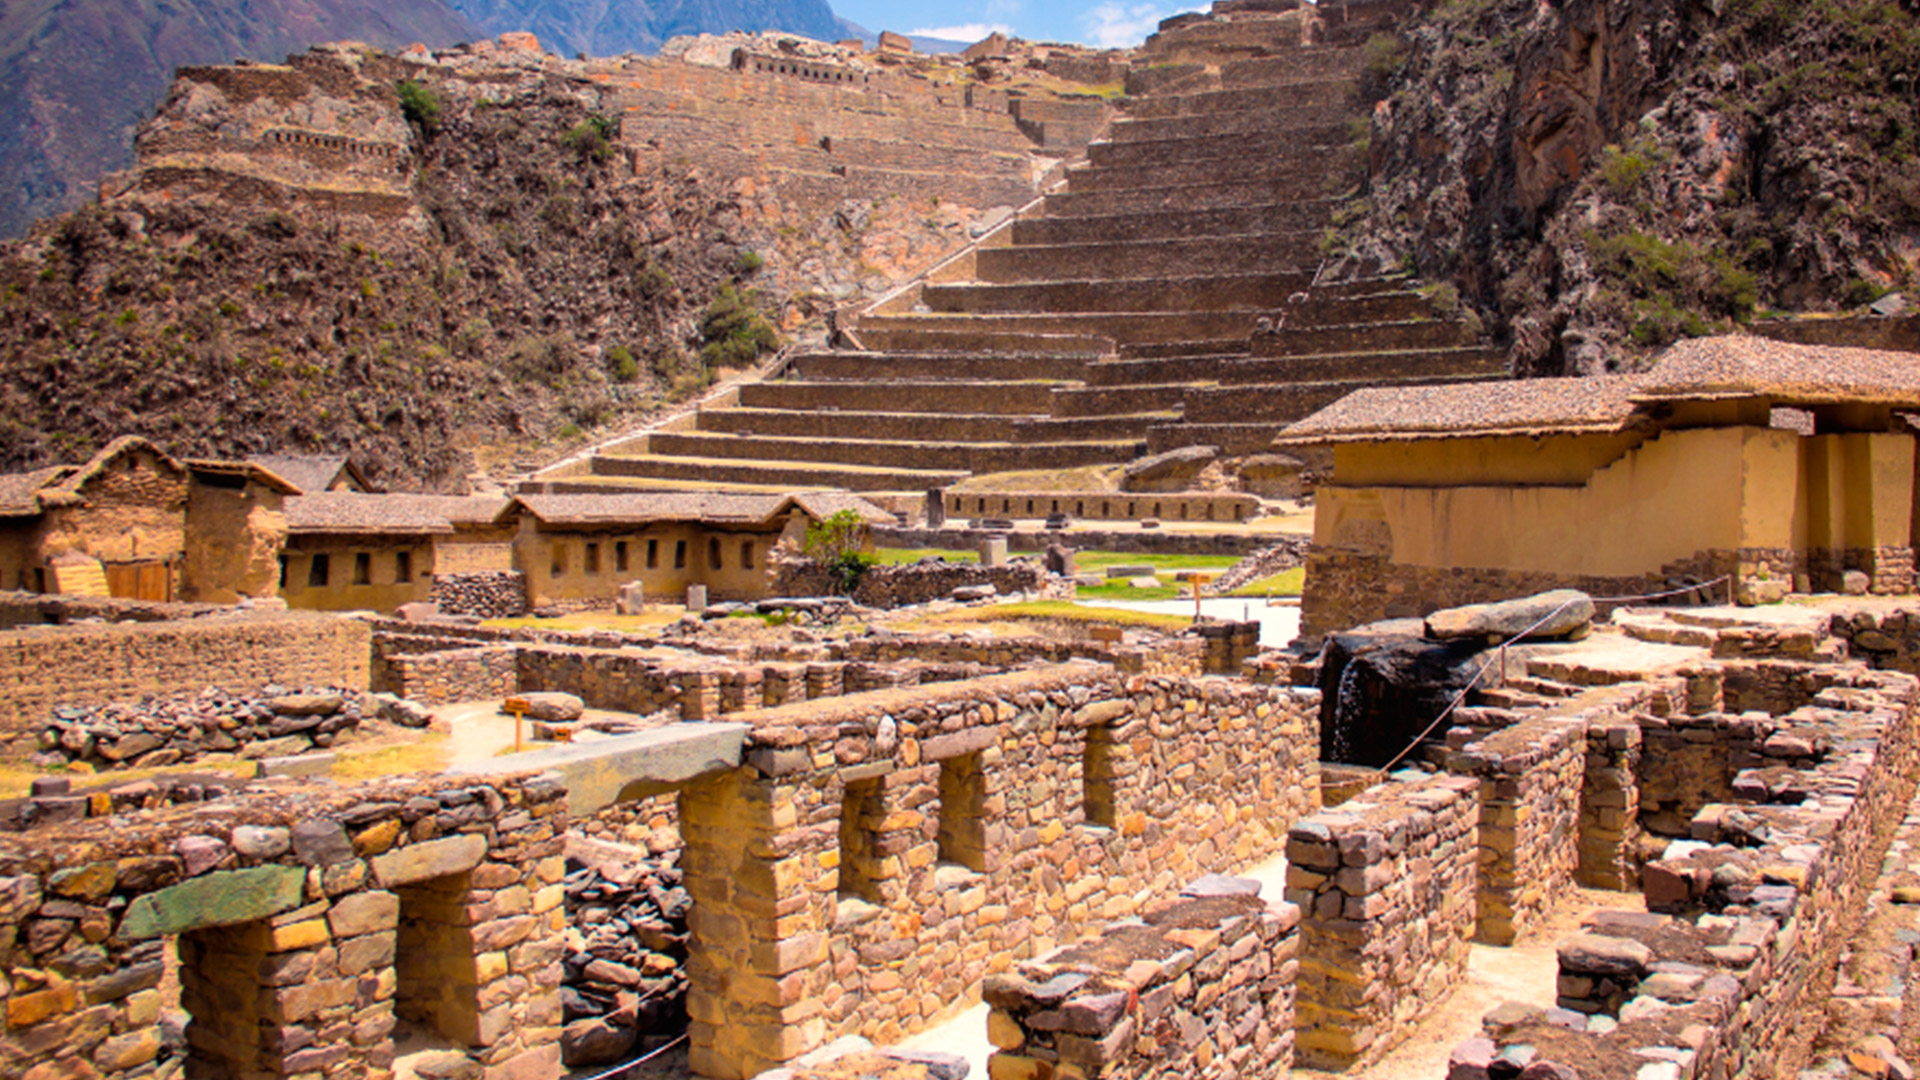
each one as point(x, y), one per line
point(984, 398)
point(1246, 254)
point(1273, 217)
point(1086, 401)
point(1158, 142)
point(1120, 327)
point(1231, 439)
point(1166, 350)
point(884, 336)
point(1294, 66)
point(1283, 403)
point(1168, 197)
point(825, 424)
point(1271, 97)
point(1363, 337)
point(1229, 370)
point(1303, 173)
point(927, 367)
point(783, 474)
point(1244, 292)
point(905, 453)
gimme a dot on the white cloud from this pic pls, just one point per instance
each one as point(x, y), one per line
point(967, 32)
point(1116, 26)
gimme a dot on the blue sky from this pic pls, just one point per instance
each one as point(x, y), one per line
point(1104, 23)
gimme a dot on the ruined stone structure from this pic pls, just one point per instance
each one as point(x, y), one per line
point(1119, 314)
point(867, 852)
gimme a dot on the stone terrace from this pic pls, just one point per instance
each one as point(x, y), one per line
point(1112, 316)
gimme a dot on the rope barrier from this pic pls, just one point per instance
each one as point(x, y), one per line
point(637, 1062)
point(1501, 658)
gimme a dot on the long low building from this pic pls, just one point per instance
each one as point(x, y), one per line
point(1778, 467)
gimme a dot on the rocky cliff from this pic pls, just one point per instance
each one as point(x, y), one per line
point(1601, 177)
point(79, 77)
point(428, 257)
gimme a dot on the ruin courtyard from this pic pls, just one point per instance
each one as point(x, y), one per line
point(1111, 648)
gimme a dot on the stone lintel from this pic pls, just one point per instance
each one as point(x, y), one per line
point(600, 773)
point(223, 898)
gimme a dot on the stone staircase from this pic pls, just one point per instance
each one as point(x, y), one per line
point(1113, 316)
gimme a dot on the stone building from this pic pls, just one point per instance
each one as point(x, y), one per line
point(347, 551)
point(137, 523)
point(1779, 467)
point(579, 550)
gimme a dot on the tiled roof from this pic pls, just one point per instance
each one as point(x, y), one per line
point(19, 492)
point(311, 473)
point(1460, 410)
point(1747, 367)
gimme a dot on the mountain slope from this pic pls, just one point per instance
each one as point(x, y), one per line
point(612, 27)
point(80, 74)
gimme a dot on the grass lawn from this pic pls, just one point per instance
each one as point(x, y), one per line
point(1060, 611)
point(1120, 590)
point(1162, 564)
point(896, 556)
point(596, 620)
point(1284, 583)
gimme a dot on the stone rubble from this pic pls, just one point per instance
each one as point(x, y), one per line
point(169, 730)
point(626, 978)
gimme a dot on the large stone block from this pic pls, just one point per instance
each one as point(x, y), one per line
point(433, 859)
point(218, 899)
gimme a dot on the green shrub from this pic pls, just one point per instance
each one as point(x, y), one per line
point(654, 281)
point(733, 332)
point(835, 543)
point(1622, 171)
point(1383, 54)
point(750, 261)
point(622, 364)
point(420, 106)
point(592, 138)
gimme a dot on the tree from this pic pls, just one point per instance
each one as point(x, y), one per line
point(835, 542)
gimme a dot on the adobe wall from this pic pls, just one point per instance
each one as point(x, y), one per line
point(573, 569)
point(878, 856)
point(306, 928)
point(339, 588)
point(1152, 541)
point(237, 534)
point(46, 666)
point(1103, 505)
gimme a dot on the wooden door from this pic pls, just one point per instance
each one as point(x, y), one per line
point(151, 581)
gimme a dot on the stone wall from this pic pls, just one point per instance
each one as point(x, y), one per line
point(47, 666)
point(1727, 971)
point(911, 583)
point(880, 855)
point(1531, 776)
point(1386, 884)
point(303, 935)
point(500, 594)
point(450, 675)
point(1203, 990)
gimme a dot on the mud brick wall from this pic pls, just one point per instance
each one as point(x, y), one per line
point(306, 924)
point(1203, 990)
point(1726, 973)
point(1385, 884)
point(1531, 777)
point(47, 666)
point(880, 855)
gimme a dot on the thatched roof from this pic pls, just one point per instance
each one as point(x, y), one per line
point(1732, 367)
point(717, 508)
point(1721, 368)
point(20, 492)
point(1599, 403)
point(312, 473)
point(354, 513)
point(66, 491)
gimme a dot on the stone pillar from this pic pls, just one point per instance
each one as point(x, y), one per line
point(936, 508)
point(699, 694)
point(758, 955)
point(1610, 806)
point(696, 598)
point(993, 551)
